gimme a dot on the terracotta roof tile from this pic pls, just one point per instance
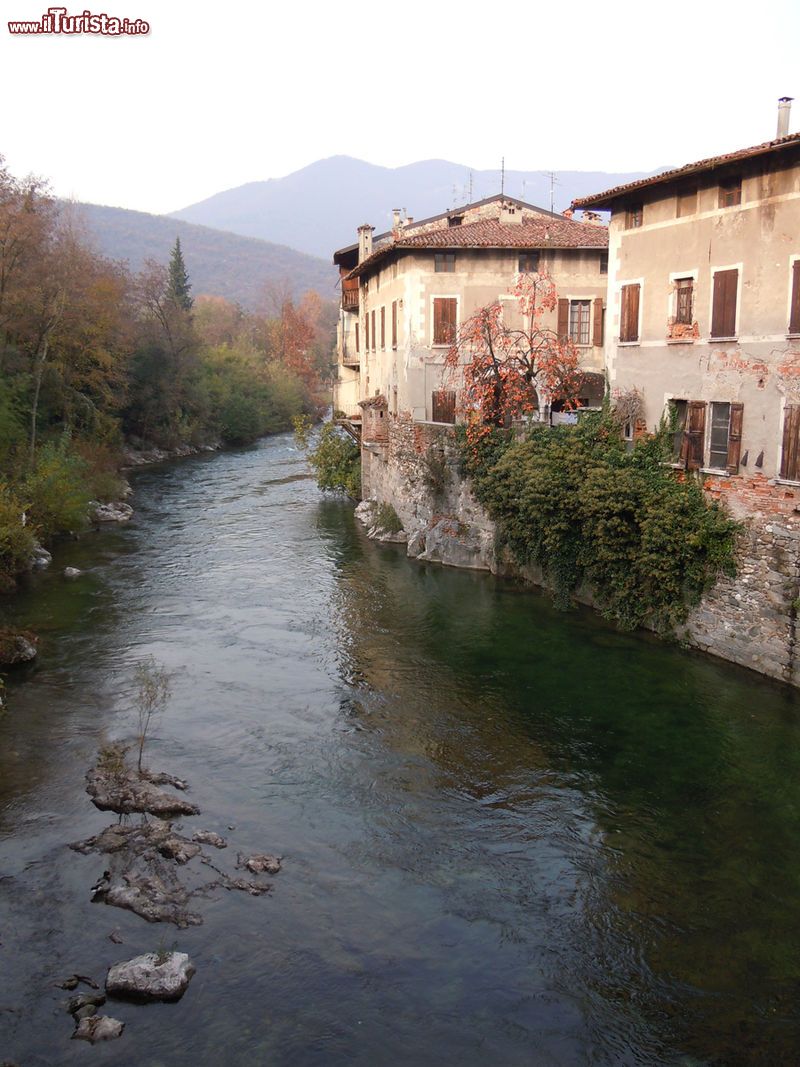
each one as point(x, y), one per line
point(603, 199)
point(547, 232)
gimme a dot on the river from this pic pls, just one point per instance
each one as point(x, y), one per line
point(510, 835)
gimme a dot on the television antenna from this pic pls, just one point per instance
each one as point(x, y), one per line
point(553, 183)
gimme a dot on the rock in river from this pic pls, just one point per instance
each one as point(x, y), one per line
point(16, 646)
point(151, 977)
point(98, 1028)
point(124, 791)
point(117, 512)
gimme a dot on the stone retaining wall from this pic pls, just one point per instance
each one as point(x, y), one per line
point(749, 619)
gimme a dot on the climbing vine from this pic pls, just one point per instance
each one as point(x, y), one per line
point(574, 501)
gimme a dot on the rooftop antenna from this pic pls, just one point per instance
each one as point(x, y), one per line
point(502, 175)
point(553, 182)
point(470, 188)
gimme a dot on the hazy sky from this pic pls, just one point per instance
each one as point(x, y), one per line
point(221, 94)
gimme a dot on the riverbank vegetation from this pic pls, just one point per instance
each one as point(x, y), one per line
point(334, 456)
point(621, 524)
point(93, 358)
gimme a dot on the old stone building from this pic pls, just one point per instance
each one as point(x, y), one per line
point(405, 292)
point(704, 314)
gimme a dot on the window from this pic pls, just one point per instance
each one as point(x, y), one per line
point(634, 217)
point(444, 262)
point(454, 220)
point(444, 319)
point(357, 348)
point(366, 332)
point(604, 262)
point(687, 202)
point(790, 453)
point(684, 301)
point(443, 405)
point(394, 324)
point(579, 321)
point(528, 263)
point(629, 313)
point(383, 328)
point(723, 313)
point(730, 192)
point(721, 451)
point(794, 309)
point(374, 333)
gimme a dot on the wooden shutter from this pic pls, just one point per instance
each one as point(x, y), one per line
point(383, 327)
point(357, 348)
point(695, 434)
point(735, 438)
point(444, 320)
point(723, 315)
point(563, 320)
point(629, 313)
point(394, 324)
point(366, 332)
point(791, 442)
point(597, 327)
point(443, 405)
point(374, 333)
point(794, 316)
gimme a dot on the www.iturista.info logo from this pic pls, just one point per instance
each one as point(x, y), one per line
point(56, 20)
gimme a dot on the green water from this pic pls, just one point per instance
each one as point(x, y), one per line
point(508, 833)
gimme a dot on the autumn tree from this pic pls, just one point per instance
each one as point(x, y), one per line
point(508, 368)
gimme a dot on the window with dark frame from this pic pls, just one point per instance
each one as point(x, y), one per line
point(724, 423)
point(634, 216)
point(604, 262)
point(357, 348)
point(723, 311)
point(383, 328)
point(579, 330)
point(444, 319)
point(718, 437)
point(394, 324)
point(794, 307)
point(684, 301)
point(366, 332)
point(528, 263)
point(629, 313)
point(444, 262)
point(730, 192)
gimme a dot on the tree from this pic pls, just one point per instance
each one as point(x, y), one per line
point(179, 287)
point(509, 369)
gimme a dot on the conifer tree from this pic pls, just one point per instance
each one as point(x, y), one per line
point(179, 287)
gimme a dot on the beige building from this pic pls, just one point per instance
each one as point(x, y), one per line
point(404, 294)
point(704, 308)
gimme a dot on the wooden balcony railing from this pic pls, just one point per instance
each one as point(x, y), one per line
point(350, 294)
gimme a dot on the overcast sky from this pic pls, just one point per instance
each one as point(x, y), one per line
point(221, 94)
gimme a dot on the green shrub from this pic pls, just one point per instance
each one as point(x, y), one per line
point(58, 490)
point(336, 460)
point(573, 501)
point(16, 539)
point(387, 520)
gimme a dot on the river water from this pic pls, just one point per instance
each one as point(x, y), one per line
point(509, 835)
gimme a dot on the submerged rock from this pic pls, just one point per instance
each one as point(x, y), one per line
point(119, 511)
point(259, 863)
point(153, 897)
point(122, 790)
point(17, 646)
point(85, 1000)
point(98, 1028)
point(72, 572)
point(208, 837)
point(153, 976)
point(40, 558)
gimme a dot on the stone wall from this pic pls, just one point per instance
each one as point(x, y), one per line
point(749, 619)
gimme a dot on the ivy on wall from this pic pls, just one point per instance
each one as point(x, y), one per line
point(574, 501)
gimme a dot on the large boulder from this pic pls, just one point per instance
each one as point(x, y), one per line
point(153, 976)
point(98, 1028)
point(119, 511)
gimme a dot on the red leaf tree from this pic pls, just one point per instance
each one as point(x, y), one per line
point(507, 369)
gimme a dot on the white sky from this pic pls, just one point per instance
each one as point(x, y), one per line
point(222, 94)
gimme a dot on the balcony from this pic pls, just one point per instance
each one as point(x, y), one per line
point(350, 294)
point(351, 359)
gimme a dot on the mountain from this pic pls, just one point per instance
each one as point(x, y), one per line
point(219, 263)
point(317, 209)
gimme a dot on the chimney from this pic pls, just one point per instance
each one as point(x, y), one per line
point(409, 220)
point(364, 242)
point(396, 216)
point(784, 110)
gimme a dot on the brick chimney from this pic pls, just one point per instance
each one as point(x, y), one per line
point(365, 241)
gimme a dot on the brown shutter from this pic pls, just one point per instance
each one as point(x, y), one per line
point(735, 438)
point(357, 348)
point(794, 317)
point(563, 319)
point(791, 440)
point(366, 332)
point(383, 327)
point(723, 315)
point(695, 434)
point(444, 320)
point(443, 405)
point(629, 313)
point(394, 324)
point(374, 333)
point(437, 321)
point(597, 328)
point(451, 320)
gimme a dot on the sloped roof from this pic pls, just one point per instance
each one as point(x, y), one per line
point(604, 200)
point(551, 231)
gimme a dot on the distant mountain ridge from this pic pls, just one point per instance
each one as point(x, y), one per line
point(317, 209)
point(219, 262)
